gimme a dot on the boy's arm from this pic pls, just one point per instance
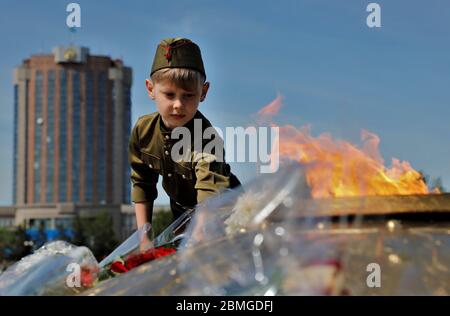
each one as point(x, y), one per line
point(143, 181)
point(143, 215)
point(143, 212)
point(212, 177)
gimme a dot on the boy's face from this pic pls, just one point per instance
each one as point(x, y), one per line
point(176, 105)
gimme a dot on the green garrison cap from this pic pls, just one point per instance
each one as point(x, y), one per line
point(178, 53)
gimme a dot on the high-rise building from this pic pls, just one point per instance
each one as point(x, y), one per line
point(71, 128)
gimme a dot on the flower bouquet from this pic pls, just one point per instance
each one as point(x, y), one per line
point(60, 268)
point(137, 249)
point(124, 264)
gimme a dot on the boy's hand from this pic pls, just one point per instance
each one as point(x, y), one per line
point(145, 244)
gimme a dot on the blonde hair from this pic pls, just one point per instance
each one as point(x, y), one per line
point(183, 77)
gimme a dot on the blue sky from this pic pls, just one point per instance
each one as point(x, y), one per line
point(333, 71)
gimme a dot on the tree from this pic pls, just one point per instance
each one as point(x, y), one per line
point(160, 221)
point(62, 234)
point(13, 246)
point(96, 233)
point(41, 237)
point(78, 231)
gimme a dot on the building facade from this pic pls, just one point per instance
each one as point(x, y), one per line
point(72, 123)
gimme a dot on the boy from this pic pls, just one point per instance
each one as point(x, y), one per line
point(177, 84)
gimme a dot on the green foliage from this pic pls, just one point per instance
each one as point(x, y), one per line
point(160, 221)
point(96, 233)
point(41, 238)
point(12, 245)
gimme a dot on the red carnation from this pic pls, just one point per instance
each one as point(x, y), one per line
point(88, 276)
point(135, 260)
point(162, 252)
point(118, 267)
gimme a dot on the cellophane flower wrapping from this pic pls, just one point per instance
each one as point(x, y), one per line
point(238, 243)
point(244, 237)
point(45, 272)
point(262, 240)
point(138, 249)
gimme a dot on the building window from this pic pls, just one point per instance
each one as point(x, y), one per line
point(16, 128)
point(6, 222)
point(127, 130)
point(50, 132)
point(89, 159)
point(39, 121)
point(62, 177)
point(101, 140)
point(37, 223)
point(76, 109)
point(65, 223)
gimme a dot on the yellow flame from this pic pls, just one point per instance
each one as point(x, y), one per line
point(337, 168)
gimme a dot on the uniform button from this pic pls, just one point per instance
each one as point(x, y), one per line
point(167, 136)
point(150, 165)
point(166, 152)
point(169, 175)
point(183, 176)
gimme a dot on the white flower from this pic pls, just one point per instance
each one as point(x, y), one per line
point(245, 209)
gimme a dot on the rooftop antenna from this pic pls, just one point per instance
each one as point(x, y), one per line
point(72, 31)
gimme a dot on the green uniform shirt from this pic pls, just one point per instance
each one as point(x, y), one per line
point(186, 182)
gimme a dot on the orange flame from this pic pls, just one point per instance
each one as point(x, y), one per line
point(337, 168)
point(270, 109)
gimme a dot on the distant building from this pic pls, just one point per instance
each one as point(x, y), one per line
point(72, 124)
point(7, 216)
point(72, 121)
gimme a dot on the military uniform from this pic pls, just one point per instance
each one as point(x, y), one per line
point(188, 181)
